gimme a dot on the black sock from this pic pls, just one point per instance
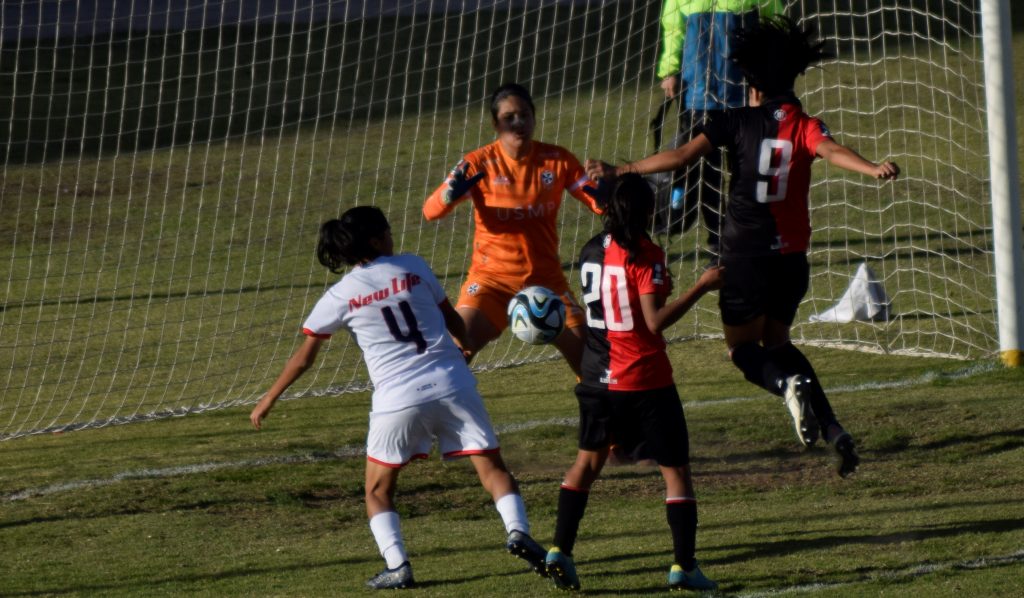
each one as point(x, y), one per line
point(794, 360)
point(759, 367)
point(571, 505)
point(682, 520)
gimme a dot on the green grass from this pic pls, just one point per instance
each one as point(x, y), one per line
point(205, 505)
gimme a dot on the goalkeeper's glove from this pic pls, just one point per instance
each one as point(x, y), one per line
point(458, 184)
point(600, 191)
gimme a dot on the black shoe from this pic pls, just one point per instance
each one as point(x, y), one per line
point(398, 578)
point(520, 544)
point(846, 454)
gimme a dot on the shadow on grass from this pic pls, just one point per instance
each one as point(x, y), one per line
point(131, 587)
point(748, 551)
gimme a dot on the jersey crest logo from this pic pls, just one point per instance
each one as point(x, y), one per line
point(824, 129)
point(547, 178)
point(473, 288)
point(779, 115)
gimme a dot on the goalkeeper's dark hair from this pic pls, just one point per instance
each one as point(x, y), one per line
point(510, 89)
point(773, 52)
point(628, 213)
point(346, 240)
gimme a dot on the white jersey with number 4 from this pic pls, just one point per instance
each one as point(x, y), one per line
point(390, 306)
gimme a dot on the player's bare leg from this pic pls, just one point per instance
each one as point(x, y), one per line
point(479, 331)
point(570, 343)
point(494, 476)
point(380, 507)
point(503, 488)
point(380, 488)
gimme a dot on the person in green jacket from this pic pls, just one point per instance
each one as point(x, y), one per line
point(695, 69)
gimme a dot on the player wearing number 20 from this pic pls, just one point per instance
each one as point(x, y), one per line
point(398, 313)
point(771, 144)
point(626, 392)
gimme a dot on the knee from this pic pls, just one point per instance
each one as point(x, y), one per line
point(745, 353)
point(749, 358)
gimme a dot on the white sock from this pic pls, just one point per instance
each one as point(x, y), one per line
point(388, 534)
point(513, 513)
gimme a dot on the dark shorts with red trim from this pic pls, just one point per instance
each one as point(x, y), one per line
point(629, 418)
point(770, 285)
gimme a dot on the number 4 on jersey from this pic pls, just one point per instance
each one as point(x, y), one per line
point(414, 335)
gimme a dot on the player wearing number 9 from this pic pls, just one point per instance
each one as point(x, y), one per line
point(398, 313)
point(771, 145)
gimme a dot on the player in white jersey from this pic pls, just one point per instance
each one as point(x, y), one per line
point(398, 314)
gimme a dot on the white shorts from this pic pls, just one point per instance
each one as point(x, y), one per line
point(459, 422)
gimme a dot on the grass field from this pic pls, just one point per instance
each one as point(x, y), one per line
point(207, 506)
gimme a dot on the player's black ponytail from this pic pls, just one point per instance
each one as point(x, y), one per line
point(346, 240)
point(628, 213)
point(772, 53)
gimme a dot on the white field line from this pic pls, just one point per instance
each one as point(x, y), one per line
point(347, 452)
point(893, 575)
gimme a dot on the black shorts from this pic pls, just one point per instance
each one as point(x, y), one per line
point(771, 285)
point(627, 418)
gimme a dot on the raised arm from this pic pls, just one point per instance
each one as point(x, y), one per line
point(454, 189)
point(839, 155)
point(665, 161)
point(297, 364)
point(659, 317)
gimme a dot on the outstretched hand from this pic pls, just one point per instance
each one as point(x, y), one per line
point(887, 171)
point(260, 411)
point(598, 170)
point(458, 184)
point(712, 279)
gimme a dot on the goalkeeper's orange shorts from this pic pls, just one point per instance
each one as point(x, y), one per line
point(491, 297)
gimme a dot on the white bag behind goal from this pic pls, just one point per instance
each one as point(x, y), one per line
point(165, 170)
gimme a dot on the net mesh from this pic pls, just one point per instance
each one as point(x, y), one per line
point(165, 167)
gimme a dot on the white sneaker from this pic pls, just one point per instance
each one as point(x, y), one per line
point(795, 399)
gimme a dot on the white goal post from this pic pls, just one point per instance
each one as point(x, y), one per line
point(165, 167)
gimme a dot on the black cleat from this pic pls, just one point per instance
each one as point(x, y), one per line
point(520, 544)
point(846, 455)
point(398, 578)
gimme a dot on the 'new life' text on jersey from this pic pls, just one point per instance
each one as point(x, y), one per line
point(390, 306)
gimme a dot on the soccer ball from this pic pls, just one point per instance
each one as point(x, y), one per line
point(536, 315)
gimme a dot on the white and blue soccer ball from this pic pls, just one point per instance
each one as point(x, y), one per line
point(536, 315)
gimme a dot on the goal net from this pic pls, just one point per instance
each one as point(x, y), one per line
point(165, 167)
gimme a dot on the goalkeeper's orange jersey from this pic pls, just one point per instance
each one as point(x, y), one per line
point(516, 207)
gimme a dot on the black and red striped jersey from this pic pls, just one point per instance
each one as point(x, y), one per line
point(771, 148)
point(621, 353)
